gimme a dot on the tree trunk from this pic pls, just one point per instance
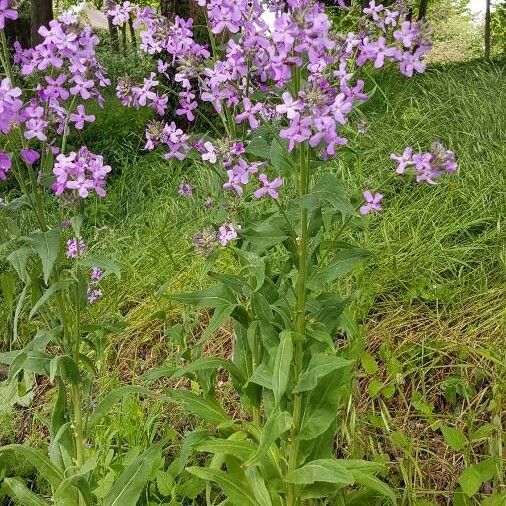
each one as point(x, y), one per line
point(487, 31)
point(172, 8)
point(422, 9)
point(41, 15)
point(133, 38)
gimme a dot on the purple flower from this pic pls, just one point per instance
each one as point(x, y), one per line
point(185, 189)
point(81, 173)
point(404, 160)
point(96, 274)
point(29, 156)
point(372, 202)
point(422, 160)
point(249, 113)
point(269, 187)
point(290, 107)
point(226, 233)
point(210, 153)
point(6, 12)
point(5, 165)
point(94, 294)
point(80, 117)
point(75, 247)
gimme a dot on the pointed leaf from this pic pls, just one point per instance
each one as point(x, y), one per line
point(258, 486)
point(18, 490)
point(282, 365)
point(213, 297)
point(47, 246)
point(206, 409)
point(319, 366)
point(236, 492)
point(326, 470)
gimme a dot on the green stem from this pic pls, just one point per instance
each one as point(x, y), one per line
point(300, 321)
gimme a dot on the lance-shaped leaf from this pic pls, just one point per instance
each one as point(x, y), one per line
point(320, 409)
point(237, 492)
point(127, 489)
point(282, 365)
point(53, 289)
point(319, 366)
point(18, 490)
point(276, 425)
point(210, 363)
point(47, 246)
point(43, 465)
point(326, 470)
point(257, 484)
point(342, 263)
point(18, 259)
point(241, 450)
point(206, 409)
point(216, 296)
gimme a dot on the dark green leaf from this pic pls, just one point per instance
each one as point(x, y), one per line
point(282, 365)
point(326, 470)
point(47, 246)
point(319, 366)
point(216, 296)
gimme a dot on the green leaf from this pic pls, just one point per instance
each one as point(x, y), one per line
point(326, 470)
point(47, 246)
point(236, 492)
point(190, 441)
point(164, 482)
point(262, 376)
point(210, 363)
point(259, 147)
point(242, 450)
point(344, 262)
point(281, 160)
point(54, 288)
point(220, 316)
point(44, 467)
point(105, 263)
point(213, 297)
point(321, 407)
point(127, 489)
point(66, 367)
point(474, 476)
point(264, 235)
point(371, 482)
point(18, 259)
point(368, 363)
point(328, 189)
point(257, 484)
point(17, 489)
point(319, 366)
point(276, 425)
point(206, 409)
point(282, 365)
point(454, 438)
point(111, 399)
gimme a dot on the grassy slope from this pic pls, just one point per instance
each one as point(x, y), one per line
point(433, 295)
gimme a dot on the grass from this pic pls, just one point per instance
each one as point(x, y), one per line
point(431, 303)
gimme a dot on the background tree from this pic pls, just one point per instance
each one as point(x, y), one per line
point(41, 14)
point(487, 30)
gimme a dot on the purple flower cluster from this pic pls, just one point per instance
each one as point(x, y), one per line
point(75, 247)
point(372, 203)
point(410, 38)
point(208, 240)
point(80, 172)
point(94, 292)
point(119, 13)
point(62, 71)
point(427, 166)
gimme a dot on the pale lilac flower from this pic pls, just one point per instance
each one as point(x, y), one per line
point(269, 187)
point(5, 165)
point(185, 189)
point(94, 294)
point(75, 247)
point(249, 113)
point(96, 274)
point(6, 12)
point(404, 160)
point(372, 202)
point(373, 10)
point(80, 117)
point(226, 233)
point(81, 173)
point(290, 107)
point(210, 152)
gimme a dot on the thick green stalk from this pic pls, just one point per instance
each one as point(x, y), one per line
point(300, 321)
